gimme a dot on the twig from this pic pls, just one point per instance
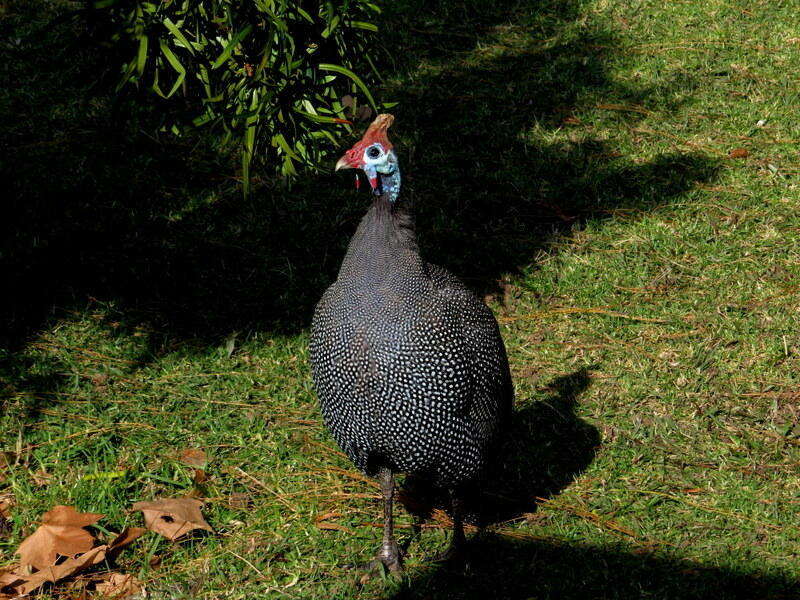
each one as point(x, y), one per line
point(579, 310)
point(264, 486)
point(85, 433)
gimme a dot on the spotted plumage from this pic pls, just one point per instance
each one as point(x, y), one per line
point(408, 364)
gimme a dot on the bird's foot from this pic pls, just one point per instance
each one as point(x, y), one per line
point(388, 559)
point(456, 556)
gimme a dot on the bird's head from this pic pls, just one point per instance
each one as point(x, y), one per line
point(375, 155)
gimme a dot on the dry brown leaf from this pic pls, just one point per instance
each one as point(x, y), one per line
point(9, 579)
point(55, 573)
point(200, 477)
point(119, 586)
point(5, 515)
point(5, 505)
point(173, 517)
point(68, 516)
point(61, 533)
point(194, 457)
point(7, 460)
point(125, 538)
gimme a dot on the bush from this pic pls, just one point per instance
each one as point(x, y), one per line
point(276, 75)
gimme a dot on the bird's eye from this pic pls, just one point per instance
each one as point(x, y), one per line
point(373, 152)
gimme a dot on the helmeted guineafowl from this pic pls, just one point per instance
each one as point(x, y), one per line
point(408, 364)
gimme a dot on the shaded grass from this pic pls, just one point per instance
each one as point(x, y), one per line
point(571, 161)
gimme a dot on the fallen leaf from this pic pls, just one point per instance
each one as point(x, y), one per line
point(173, 517)
point(194, 457)
point(119, 586)
point(55, 573)
point(9, 579)
point(200, 477)
point(7, 460)
point(125, 538)
point(738, 153)
point(5, 505)
point(5, 515)
point(61, 533)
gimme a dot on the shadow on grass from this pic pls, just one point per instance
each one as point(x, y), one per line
point(521, 570)
point(487, 87)
point(98, 209)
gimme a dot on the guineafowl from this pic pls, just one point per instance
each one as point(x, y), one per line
point(408, 364)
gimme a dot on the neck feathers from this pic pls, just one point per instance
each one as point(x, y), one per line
point(388, 174)
point(384, 244)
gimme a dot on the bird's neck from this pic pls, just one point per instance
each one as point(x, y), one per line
point(384, 244)
point(389, 180)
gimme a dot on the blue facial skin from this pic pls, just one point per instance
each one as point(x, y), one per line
point(387, 172)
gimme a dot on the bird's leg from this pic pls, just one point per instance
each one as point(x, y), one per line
point(459, 541)
point(389, 554)
point(456, 552)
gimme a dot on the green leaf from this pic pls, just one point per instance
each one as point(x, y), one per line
point(281, 141)
point(141, 58)
point(319, 118)
point(178, 34)
point(304, 14)
point(126, 75)
point(355, 78)
point(176, 64)
point(331, 27)
point(363, 25)
point(226, 53)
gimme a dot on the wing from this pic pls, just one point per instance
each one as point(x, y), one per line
point(492, 400)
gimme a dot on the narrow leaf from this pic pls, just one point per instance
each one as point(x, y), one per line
point(141, 58)
point(355, 78)
point(176, 64)
point(178, 34)
point(226, 53)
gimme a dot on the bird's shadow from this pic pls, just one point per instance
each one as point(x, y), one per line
point(513, 569)
point(546, 447)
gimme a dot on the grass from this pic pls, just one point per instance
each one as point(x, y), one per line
point(573, 161)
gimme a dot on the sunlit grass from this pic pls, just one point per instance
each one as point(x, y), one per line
point(573, 161)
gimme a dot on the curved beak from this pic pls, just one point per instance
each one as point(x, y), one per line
point(343, 163)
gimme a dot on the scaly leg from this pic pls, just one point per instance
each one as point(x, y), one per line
point(456, 552)
point(389, 554)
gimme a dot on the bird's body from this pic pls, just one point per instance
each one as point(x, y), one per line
point(408, 364)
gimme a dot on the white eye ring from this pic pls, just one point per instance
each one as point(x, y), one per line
point(373, 153)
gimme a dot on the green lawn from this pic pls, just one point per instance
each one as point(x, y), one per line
point(621, 180)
